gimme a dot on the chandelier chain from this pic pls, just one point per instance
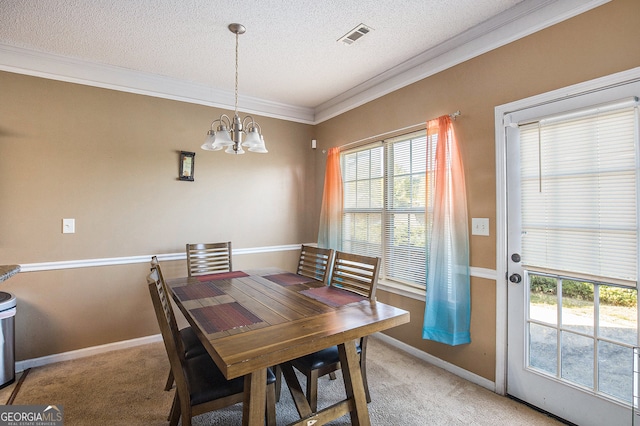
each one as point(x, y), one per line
point(236, 105)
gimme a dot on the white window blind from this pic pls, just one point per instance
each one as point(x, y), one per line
point(579, 194)
point(405, 224)
point(384, 205)
point(363, 201)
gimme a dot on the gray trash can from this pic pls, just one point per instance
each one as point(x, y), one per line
point(7, 339)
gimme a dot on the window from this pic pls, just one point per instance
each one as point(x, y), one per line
point(385, 199)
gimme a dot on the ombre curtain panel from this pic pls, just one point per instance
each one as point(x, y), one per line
point(448, 302)
point(330, 232)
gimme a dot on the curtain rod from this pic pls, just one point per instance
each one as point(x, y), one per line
point(453, 116)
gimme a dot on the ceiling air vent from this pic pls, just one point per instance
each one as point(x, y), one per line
point(355, 34)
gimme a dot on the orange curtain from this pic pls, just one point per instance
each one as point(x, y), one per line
point(448, 305)
point(329, 234)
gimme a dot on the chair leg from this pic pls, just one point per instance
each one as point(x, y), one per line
point(312, 390)
point(277, 370)
point(363, 366)
point(270, 412)
point(174, 414)
point(363, 371)
point(185, 414)
point(173, 407)
point(169, 384)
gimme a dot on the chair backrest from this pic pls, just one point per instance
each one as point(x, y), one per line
point(210, 258)
point(157, 277)
point(356, 273)
point(315, 262)
point(168, 325)
point(164, 314)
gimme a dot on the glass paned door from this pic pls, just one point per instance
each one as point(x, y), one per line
point(572, 190)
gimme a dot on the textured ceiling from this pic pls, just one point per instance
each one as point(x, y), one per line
point(289, 55)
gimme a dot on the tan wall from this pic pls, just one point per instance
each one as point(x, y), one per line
point(479, 356)
point(110, 160)
point(594, 44)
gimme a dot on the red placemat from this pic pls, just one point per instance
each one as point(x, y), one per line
point(224, 317)
point(197, 291)
point(288, 278)
point(332, 296)
point(222, 276)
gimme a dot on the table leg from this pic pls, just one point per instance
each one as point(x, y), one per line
point(255, 396)
point(353, 384)
point(302, 405)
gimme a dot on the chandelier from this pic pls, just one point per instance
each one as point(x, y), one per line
point(228, 132)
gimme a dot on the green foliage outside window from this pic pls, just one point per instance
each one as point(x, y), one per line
point(579, 290)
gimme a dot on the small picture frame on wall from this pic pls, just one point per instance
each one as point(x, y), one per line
point(187, 162)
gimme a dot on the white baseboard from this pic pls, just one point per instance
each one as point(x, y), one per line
point(454, 369)
point(81, 353)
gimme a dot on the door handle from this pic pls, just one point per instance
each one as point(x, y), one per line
point(515, 278)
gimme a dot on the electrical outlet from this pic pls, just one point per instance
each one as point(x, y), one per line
point(480, 226)
point(68, 226)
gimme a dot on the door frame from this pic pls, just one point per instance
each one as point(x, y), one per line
point(501, 198)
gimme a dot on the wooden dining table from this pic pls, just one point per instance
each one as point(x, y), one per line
point(255, 319)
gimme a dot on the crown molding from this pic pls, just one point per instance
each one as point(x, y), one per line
point(524, 19)
point(62, 68)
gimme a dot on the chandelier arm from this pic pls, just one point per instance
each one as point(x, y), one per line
point(221, 120)
point(225, 119)
point(254, 124)
point(214, 122)
point(248, 121)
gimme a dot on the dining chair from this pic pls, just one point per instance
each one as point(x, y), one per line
point(357, 274)
point(208, 258)
point(315, 262)
point(190, 341)
point(200, 385)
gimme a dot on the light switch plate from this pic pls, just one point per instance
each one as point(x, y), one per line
point(480, 226)
point(68, 226)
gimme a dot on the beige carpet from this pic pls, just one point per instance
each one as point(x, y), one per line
point(126, 388)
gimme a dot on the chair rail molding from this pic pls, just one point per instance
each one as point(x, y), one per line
point(126, 260)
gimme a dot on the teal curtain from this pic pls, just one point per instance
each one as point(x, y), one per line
point(448, 304)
